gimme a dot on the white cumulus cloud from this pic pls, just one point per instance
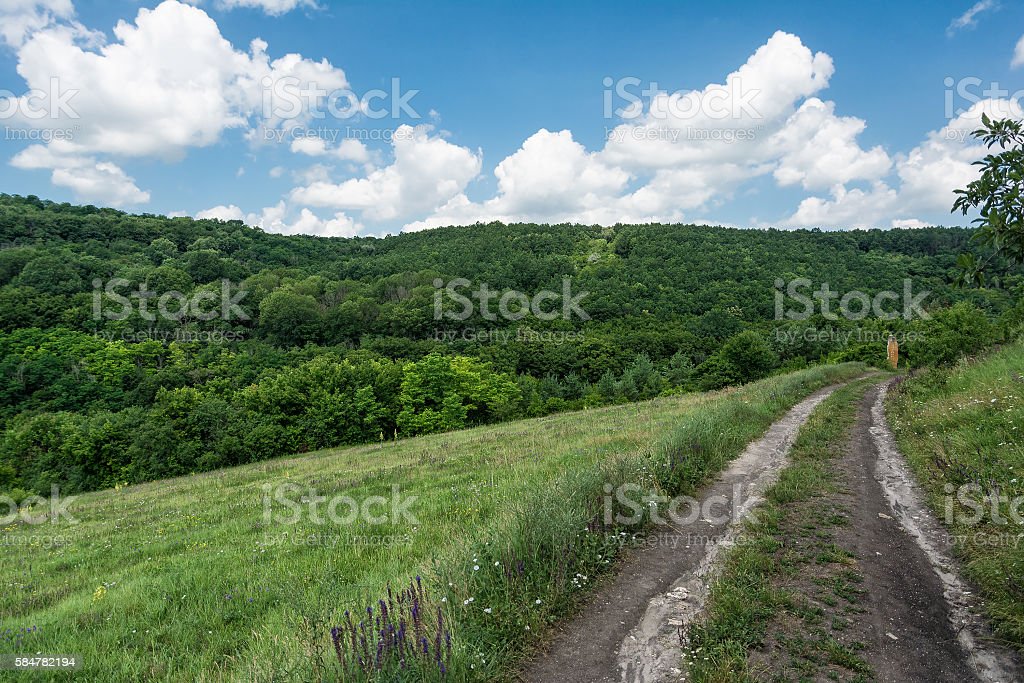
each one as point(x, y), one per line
point(680, 153)
point(925, 179)
point(144, 95)
point(91, 180)
point(275, 219)
point(427, 172)
point(1018, 54)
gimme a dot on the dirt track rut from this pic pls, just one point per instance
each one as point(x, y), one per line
point(628, 629)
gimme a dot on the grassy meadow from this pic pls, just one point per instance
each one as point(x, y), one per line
point(188, 579)
point(962, 430)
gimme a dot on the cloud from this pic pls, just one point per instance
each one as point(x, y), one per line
point(274, 8)
point(19, 18)
point(969, 19)
point(679, 154)
point(349, 149)
point(427, 172)
point(551, 178)
point(726, 122)
point(273, 219)
point(144, 96)
point(818, 149)
point(222, 213)
point(925, 179)
point(668, 156)
point(1018, 54)
point(90, 180)
point(909, 223)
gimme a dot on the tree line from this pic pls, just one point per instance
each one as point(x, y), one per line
point(330, 341)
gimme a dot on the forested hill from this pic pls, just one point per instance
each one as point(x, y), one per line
point(334, 341)
point(662, 271)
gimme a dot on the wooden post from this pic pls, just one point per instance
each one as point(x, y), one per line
point(893, 351)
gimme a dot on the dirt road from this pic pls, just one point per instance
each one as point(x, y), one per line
point(627, 630)
point(915, 619)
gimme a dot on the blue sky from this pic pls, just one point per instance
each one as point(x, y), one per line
point(848, 124)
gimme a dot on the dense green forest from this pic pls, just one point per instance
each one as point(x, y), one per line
point(272, 344)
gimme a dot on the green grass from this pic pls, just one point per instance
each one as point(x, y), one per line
point(757, 594)
point(964, 426)
point(183, 579)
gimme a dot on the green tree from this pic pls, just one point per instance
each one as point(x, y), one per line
point(290, 319)
point(997, 195)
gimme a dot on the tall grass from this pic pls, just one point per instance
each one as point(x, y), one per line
point(534, 565)
point(962, 429)
point(185, 579)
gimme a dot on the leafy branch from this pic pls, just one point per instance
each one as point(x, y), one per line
point(997, 194)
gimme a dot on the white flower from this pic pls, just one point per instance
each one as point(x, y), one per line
point(538, 601)
point(487, 610)
point(476, 567)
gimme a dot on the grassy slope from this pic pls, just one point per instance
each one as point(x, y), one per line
point(749, 602)
point(176, 580)
point(965, 426)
